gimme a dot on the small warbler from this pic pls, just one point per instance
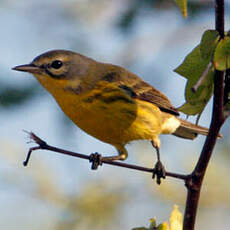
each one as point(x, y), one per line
point(108, 101)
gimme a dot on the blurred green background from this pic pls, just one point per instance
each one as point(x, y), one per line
point(55, 192)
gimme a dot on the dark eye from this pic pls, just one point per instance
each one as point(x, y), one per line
point(56, 64)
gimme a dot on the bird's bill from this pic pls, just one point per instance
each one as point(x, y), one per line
point(30, 68)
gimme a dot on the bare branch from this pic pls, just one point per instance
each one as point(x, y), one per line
point(42, 145)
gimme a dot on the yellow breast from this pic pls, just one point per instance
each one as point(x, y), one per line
point(111, 116)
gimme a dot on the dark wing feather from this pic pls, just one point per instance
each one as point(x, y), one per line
point(137, 88)
point(156, 97)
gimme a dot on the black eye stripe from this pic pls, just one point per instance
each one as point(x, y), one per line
point(43, 66)
point(50, 69)
point(57, 76)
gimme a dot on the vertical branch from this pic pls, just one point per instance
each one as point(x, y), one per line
point(220, 17)
point(227, 86)
point(194, 182)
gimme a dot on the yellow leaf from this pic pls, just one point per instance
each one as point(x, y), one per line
point(175, 219)
point(183, 7)
point(222, 54)
point(163, 226)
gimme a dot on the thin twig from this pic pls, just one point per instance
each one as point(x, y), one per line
point(42, 145)
point(198, 118)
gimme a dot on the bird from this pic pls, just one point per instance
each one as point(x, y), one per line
point(108, 101)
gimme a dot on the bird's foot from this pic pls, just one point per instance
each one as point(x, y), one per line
point(159, 172)
point(96, 160)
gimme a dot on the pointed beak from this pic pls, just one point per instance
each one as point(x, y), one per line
point(30, 68)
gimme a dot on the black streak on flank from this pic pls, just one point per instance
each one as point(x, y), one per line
point(107, 99)
point(128, 90)
point(116, 98)
point(76, 90)
point(130, 113)
point(90, 99)
point(110, 77)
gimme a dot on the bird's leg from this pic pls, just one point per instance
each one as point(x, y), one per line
point(159, 169)
point(97, 159)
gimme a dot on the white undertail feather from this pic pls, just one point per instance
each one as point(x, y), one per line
point(170, 125)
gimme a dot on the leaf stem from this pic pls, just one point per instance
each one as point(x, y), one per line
point(202, 78)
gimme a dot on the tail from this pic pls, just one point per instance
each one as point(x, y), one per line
point(189, 130)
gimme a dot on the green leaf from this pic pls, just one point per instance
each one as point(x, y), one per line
point(222, 54)
point(192, 68)
point(153, 224)
point(175, 222)
point(227, 106)
point(183, 7)
point(191, 109)
point(193, 65)
point(208, 43)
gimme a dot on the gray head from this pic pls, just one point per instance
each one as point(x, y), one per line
point(58, 64)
